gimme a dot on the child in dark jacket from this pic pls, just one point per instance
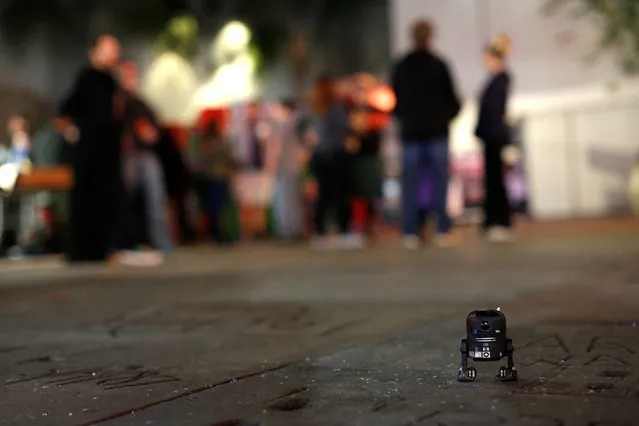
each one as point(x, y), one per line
point(215, 169)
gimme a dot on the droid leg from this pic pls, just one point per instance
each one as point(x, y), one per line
point(466, 374)
point(509, 373)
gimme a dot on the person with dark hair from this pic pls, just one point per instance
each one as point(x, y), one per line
point(330, 165)
point(494, 132)
point(90, 118)
point(256, 139)
point(142, 169)
point(215, 167)
point(178, 180)
point(427, 102)
point(290, 151)
point(364, 146)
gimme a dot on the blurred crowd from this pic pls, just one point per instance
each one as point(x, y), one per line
point(323, 154)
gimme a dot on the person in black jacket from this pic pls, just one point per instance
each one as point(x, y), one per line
point(427, 102)
point(494, 132)
point(141, 165)
point(178, 181)
point(90, 119)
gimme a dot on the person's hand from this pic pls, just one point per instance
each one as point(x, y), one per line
point(353, 145)
point(146, 132)
point(67, 129)
point(359, 121)
point(311, 138)
point(72, 134)
point(26, 167)
point(510, 155)
point(311, 189)
point(263, 131)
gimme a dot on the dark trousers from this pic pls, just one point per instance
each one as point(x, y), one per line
point(215, 194)
point(417, 156)
point(95, 216)
point(497, 209)
point(133, 230)
point(371, 217)
point(185, 225)
point(332, 176)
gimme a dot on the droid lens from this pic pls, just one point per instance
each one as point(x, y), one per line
point(485, 326)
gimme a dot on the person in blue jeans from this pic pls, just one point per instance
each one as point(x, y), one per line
point(427, 102)
point(215, 167)
point(142, 173)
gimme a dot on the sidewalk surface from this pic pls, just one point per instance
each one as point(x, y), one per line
point(275, 335)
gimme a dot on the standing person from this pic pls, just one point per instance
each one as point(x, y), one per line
point(215, 169)
point(90, 120)
point(141, 166)
point(256, 138)
point(20, 156)
point(494, 132)
point(364, 146)
point(330, 166)
point(178, 182)
point(288, 190)
point(427, 102)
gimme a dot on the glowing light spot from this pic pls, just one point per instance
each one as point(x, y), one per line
point(168, 86)
point(382, 98)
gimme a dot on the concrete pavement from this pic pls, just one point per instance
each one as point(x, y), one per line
point(277, 335)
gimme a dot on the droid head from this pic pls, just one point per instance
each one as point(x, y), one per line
point(486, 323)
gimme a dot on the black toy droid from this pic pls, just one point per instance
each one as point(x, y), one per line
point(486, 341)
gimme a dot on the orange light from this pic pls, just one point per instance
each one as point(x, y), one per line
point(382, 98)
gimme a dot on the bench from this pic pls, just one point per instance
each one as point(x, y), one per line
point(46, 178)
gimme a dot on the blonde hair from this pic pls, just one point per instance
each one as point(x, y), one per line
point(502, 44)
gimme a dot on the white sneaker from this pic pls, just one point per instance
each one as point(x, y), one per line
point(411, 242)
point(499, 234)
point(143, 259)
point(16, 253)
point(351, 242)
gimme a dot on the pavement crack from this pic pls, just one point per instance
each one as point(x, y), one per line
point(383, 405)
point(10, 349)
point(421, 419)
point(182, 395)
point(36, 360)
point(290, 393)
point(291, 403)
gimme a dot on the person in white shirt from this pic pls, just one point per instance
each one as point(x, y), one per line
point(18, 162)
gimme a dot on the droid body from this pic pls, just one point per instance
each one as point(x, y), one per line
point(486, 341)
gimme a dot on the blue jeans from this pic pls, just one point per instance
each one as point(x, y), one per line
point(143, 170)
point(215, 195)
point(287, 205)
point(431, 155)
